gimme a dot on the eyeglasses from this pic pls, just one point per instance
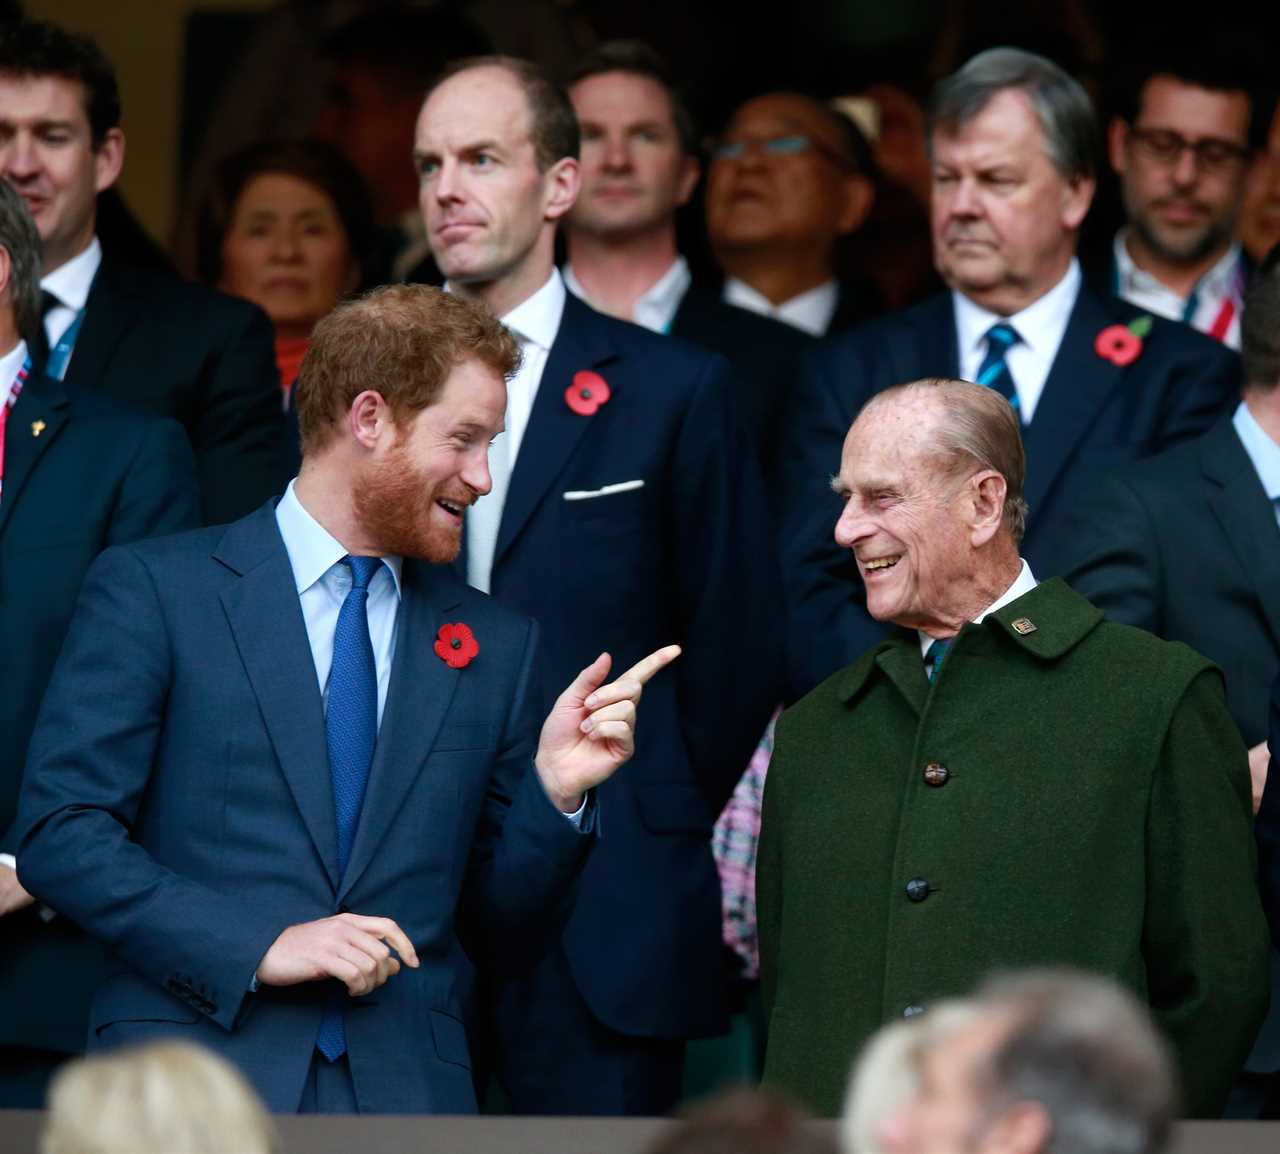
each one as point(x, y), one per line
point(793, 144)
point(1164, 146)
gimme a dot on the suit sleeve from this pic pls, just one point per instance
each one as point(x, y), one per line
point(1202, 382)
point(87, 776)
point(1112, 556)
point(729, 676)
point(1267, 824)
point(159, 493)
point(769, 873)
point(239, 431)
point(828, 625)
point(1204, 938)
point(525, 853)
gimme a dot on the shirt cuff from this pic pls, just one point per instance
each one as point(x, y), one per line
point(7, 859)
point(577, 815)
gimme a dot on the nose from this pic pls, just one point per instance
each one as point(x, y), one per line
point(287, 247)
point(445, 185)
point(19, 157)
point(1186, 168)
point(891, 1130)
point(962, 200)
point(617, 153)
point(852, 525)
point(475, 470)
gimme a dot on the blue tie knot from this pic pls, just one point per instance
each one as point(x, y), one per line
point(1002, 334)
point(362, 570)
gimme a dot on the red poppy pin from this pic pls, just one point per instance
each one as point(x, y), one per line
point(456, 645)
point(587, 393)
point(1122, 344)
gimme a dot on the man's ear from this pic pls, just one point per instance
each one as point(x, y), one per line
point(1076, 199)
point(855, 206)
point(1117, 139)
point(988, 490)
point(108, 159)
point(6, 272)
point(369, 419)
point(690, 171)
point(1024, 1128)
point(561, 183)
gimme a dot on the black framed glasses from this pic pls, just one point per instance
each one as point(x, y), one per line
point(1164, 146)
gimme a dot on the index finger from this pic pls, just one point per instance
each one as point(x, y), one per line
point(389, 932)
point(646, 667)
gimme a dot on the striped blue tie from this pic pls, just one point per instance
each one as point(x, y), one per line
point(994, 371)
point(351, 732)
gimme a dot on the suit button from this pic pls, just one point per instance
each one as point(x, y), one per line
point(917, 889)
point(912, 1011)
point(935, 774)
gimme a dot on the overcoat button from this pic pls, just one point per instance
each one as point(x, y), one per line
point(917, 889)
point(935, 774)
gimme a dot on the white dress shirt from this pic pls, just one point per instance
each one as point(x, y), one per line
point(1023, 583)
point(1041, 325)
point(70, 283)
point(655, 309)
point(1217, 296)
point(1263, 452)
point(810, 312)
point(10, 363)
point(323, 583)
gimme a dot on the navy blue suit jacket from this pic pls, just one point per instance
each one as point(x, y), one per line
point(1093, 416)
point(81, 472)
point(178, 805)
point(687, 558)
point(1267, 824)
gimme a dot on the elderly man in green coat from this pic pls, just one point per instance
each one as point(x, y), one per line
point(1010, 781)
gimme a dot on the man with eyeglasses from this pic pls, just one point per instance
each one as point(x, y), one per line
point(1182, 144)
point(1096, 382)
point(788, 178)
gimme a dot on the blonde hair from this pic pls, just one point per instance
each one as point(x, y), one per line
point(163, 1098)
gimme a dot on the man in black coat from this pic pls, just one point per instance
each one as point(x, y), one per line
point(639, 167)
point(140, 336)
point(1097, 383)
point(78, 472)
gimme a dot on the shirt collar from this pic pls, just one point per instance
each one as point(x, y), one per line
point(71, 282)
point(1041, 324)
point(811, 311)
point(312, 549)
point(10, 363)
point(658, 302)
point(1023, 583)
point(1262, 450)
point(537, 318)
point(1223, 279)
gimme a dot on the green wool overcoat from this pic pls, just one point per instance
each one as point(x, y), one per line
point(1067, 792)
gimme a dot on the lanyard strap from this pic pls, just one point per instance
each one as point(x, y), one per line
point(15, 391)
point(60, 354)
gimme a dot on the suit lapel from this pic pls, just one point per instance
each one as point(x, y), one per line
point(108, 315)
point(1246, 515)
point(925, 343)
point(418, 698)
point(1077, 387)
point(266, 621)
point(33, 425)
point(554, 429)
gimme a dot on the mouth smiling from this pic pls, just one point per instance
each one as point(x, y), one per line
point(877, 564)
point(452, 508)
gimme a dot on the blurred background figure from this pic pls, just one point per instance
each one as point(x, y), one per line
point(288, 226)
point(789, 177)
point(744, 1121)
point(1259, 225)
point(1048, 1062)
point(166, 1098)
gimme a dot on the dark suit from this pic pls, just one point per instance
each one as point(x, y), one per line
point(178, 805)
point(206, 360)
point(1092, 417)
point(97, 473)
point(685, 558)
point(765, 355)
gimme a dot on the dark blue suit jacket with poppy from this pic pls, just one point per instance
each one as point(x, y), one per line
point(682, 554)
point(1093, 417)
point(177, 804)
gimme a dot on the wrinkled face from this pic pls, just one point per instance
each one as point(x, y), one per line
point(1004, 220)
point(1183, 206)
point(903, 519)
point(411, 497)
point(482, 196)
point(286, 250)
point(635, 173)
point(1260, 213)
point(946, 1115)
point(778, 176)
point(47, 154)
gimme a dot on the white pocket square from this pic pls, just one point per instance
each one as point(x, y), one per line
point(607, 491)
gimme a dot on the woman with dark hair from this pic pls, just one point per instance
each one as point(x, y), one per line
point(287, 225)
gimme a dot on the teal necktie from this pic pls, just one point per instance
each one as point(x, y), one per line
point(935, 655)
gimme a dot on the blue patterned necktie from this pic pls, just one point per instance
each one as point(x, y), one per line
point(351, 732)
point(935, 655)
point(994, 370)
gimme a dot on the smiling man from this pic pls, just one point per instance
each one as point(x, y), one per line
point(1009, 781)
point(1012, 140)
